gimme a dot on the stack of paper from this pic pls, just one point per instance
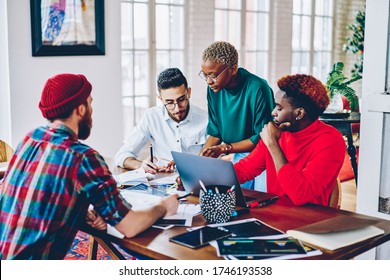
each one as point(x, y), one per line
point(139, 176)
point(141, 201)
point(183, 216)
point(166, 180)
point(132, 177)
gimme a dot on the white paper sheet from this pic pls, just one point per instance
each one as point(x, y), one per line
point(141, 201)
point(133, 175)
point(166, 180)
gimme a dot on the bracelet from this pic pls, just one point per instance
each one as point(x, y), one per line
point(228, 148)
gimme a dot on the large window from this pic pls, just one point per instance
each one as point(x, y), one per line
point(245, 24)
point(312, 37)
point(152, 40)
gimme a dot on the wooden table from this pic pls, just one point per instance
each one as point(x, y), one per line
point(344, 126)
point(154, 243)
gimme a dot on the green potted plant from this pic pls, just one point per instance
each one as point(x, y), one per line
point(338, 83)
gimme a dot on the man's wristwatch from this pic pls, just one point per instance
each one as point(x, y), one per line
point(228, 148)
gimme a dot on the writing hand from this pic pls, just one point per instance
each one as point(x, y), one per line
point(170, 167)
point(149, 166)
point(171, 203)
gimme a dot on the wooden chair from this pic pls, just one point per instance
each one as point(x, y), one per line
point(113, 252)
point(6, 152)
point(335, 195)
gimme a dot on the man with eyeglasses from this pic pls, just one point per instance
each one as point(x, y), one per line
point(239, 104)
point(178, 125)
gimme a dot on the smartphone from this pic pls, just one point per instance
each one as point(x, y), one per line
point(200, 237)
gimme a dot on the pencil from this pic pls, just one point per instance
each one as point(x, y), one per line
point(151, 152)
point(202, 186)
point(171, 187)
point(184, 196)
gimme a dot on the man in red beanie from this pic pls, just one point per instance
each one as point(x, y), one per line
point(52, 179)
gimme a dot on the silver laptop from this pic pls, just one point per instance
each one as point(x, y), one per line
point(212, 171)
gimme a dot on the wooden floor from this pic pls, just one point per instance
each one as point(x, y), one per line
point(348, 198)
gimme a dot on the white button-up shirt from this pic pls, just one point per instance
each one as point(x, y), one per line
point(165, 134)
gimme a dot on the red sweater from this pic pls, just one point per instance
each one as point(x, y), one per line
point(315, 156)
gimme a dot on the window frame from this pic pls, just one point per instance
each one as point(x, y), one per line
point(151, 51)
point(312, 51)
point(241, 47)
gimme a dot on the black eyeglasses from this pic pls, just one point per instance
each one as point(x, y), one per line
point(214, 79)
point(182, 101)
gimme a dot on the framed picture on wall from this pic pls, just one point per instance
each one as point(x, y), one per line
point(67, 27)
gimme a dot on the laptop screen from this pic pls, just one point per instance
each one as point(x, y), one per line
point(211, 171)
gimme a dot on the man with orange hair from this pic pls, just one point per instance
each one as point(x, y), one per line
point(302, 155)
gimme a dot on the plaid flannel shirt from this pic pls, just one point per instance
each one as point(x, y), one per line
point(51, 180)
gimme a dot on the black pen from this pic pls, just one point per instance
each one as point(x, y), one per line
point(151, 153)
point(257, 204)
point(184, 196)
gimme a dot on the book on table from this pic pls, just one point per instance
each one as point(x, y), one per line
point(338, 232)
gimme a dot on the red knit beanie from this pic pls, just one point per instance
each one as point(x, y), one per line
point(63, 93)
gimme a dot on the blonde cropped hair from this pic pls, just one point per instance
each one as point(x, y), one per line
point(221, 53)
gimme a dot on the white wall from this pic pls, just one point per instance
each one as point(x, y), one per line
point(28, 74)
point(5, 120)
point(199, 35)
point(372, 120)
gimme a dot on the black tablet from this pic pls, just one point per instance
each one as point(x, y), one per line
point(199, 237)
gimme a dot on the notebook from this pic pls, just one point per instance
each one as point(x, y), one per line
point(212, 171)
point(338, 232)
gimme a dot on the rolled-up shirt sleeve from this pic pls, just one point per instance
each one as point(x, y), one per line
point(134, 143)
point(96, 181)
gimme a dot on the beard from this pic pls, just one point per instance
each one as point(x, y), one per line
point(183, 114)
point(85, 126)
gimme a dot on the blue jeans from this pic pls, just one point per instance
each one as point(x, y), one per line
point(259, 183)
